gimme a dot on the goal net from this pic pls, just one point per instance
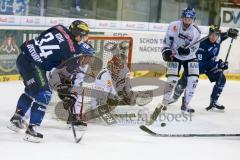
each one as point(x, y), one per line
point(105, 48)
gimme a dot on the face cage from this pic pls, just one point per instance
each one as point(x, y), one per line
point(85, 58)
point(188, 19)
point(116, 69)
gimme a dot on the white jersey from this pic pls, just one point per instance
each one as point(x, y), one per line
point(75, 72)
point(109, 86)
point(177, 37)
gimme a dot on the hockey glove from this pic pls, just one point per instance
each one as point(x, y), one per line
point(67, 81)
point(183, 52)
point(63, 87)
point(167, 54)
point(112, 101)
point(222, 65)
point(62, 93)
point(69, 101)
point(128, 97)
point(232, 32)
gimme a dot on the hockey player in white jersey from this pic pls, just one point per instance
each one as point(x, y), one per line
point(114, 82)
point(112, 86)
point(180, 34)
point(67, 80)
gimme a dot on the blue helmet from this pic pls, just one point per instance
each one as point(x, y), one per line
point(87, 49)
point(189, 13)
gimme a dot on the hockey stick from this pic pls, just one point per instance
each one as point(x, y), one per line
point(229, 49)
point(155, 114)
point(198, 41)
point(147, 130)
point(76, 139)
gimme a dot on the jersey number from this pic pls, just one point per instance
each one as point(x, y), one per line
point(46, 50)
point(199, 57)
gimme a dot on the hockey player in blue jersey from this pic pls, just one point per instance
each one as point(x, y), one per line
point(50, 49)
point(207, 55)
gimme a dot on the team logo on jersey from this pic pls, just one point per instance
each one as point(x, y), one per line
point(109, 83)
point(174, 28)
point(8, 54)
point(173, 65)
point(193, 65)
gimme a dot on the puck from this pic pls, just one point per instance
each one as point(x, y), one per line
point(163, 124)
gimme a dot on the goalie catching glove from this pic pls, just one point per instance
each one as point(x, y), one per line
point(112, 101)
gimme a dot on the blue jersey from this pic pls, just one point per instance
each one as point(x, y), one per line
point(208, 52)
point(51, 48)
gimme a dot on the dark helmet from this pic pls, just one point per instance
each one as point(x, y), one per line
point(189, 13)
point(214, 29)
point(79, 28)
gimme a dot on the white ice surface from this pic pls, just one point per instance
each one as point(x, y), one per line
point(129, 142)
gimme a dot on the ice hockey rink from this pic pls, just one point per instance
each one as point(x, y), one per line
point(128, 141)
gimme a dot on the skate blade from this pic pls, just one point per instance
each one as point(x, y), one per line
point(216, 110)
point(187, 113)
point(13, 128)
point(30, 138)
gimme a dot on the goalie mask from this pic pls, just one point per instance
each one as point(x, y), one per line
point(115, 65)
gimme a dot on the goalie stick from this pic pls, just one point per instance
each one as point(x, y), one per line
point(147, 130)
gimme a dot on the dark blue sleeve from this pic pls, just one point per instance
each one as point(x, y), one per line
point(223, 36)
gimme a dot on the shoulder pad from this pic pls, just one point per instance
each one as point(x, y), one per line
point(101, 73)
point(173, 26)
